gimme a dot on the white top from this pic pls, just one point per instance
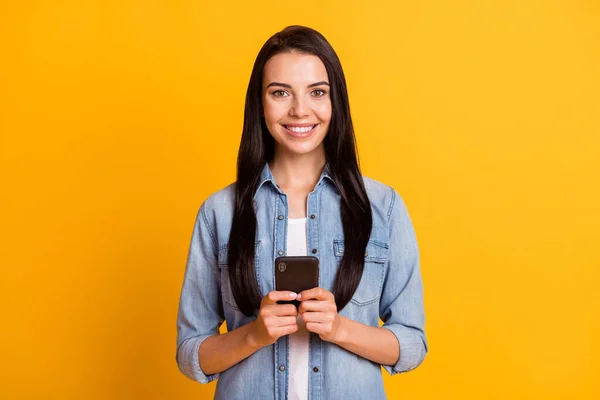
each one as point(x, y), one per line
point(298, 372)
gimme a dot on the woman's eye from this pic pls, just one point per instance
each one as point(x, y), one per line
point(279, 93)
point(318, 93)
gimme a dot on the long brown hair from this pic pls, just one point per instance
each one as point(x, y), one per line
point(257, 147)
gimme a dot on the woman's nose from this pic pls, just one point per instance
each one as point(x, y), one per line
point(298, 108)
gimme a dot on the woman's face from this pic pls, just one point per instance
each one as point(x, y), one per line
point(296, 102)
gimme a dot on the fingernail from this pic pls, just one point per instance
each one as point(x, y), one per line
point(298, 297)
point(292, 295)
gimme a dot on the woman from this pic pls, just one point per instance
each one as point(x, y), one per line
point(299, 191)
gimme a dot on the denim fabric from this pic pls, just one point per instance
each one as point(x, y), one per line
point(390, 289)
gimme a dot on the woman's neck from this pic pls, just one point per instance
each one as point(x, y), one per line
point(297, 171)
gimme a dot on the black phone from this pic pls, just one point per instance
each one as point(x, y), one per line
point(296, 273)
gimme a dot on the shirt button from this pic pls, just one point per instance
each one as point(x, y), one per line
point(313, 216)
point(282, 368)
point(280, 252)
point(314, 251)
point(280, 217)
point(315, 369)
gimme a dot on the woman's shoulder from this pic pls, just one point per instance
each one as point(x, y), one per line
point(221, 197)
point(383, 197)
point(220, 204)
point(378, 191)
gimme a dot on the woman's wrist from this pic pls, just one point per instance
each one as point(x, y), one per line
point(341, 330)
point(250, 336)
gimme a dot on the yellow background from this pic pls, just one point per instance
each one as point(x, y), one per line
point(118, 118)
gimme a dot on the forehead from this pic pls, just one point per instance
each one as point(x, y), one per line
point(294, 69)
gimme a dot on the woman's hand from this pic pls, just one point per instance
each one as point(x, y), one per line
point(319, 312)
point(274, 320)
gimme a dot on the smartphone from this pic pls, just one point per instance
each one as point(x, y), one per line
point(296, 273)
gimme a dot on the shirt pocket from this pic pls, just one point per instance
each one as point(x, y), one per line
point(371, 282)
point(223, 260)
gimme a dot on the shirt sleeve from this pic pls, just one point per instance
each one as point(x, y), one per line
point(401, 306)
point(200, 311)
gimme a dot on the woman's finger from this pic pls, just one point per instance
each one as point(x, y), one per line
point(318, 317)
point(281, 310)
point(285, 330)
point(281, 321)
point(278, 310)
point(316, 327)
point(275, 296)
point(316, 305)
point(315, 293)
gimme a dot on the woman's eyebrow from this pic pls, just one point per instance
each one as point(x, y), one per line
point(318, 84)
point(285, 85)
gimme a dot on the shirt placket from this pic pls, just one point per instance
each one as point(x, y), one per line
point(315, 347)
point(281, 347)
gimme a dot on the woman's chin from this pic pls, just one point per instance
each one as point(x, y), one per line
point(300, 149)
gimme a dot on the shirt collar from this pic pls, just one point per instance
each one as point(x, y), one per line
point(267, 176)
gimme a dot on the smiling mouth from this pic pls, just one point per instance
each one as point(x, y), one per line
point(300, 129)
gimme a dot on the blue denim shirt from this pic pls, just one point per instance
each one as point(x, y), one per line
point(390, 289)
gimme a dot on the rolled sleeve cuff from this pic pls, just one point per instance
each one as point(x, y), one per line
point(412, 349)
point(188, 362)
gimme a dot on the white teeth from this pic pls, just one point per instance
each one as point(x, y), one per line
point(298, 129)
